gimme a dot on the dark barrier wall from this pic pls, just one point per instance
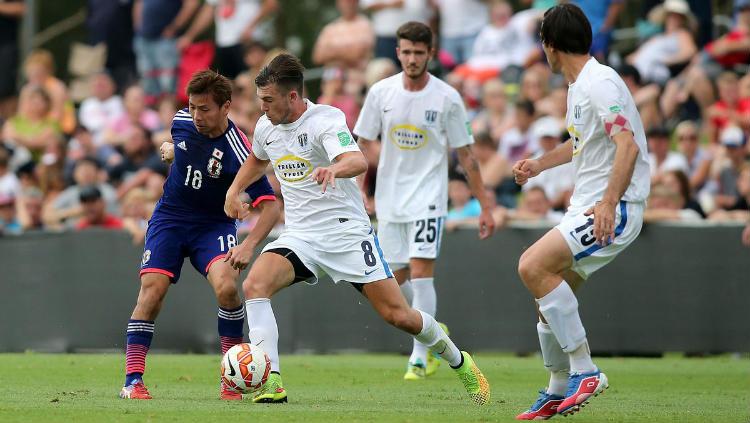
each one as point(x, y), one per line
point(674, 289)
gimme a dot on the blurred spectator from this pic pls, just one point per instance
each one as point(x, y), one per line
point(50, 170)
point(728, 196)
point(65, 209)
point(137, 209)
point(500, 44)
point(534, 206)
point(645, 96)
point(493, 118)
point(101, 109)
point(9, 184)
point(519, 142)
point(730, 109)
point(347, 42)
point(746, 235)
point(94, 213)
point(671, 49)
point(740, 212)
point(603, 15)
point(378, 69)
point(677, 181)
point(166, 110)
point(29, 204)
point(666, 204)
point(9, 224)
point(111, 22)
point(39, 70)
point(724, 53)
point(11, 12)
point(157, 23)
point(462, 205)
point(82, 145)
point(136, 113)
point(698, 158)
point(333, 94)
point(387, 16)
point(556, 182)
point(661, 159)
point(141, 165)
point(32, 128)
point(255, 57)
point(492, 166)
point(237, 22)
point(534, 84)
point(460, 23)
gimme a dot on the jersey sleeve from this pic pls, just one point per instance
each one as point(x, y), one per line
point(335, 136)
point(608, 103)
point(260, 191)
point(258, 142)
point(457, 126)
point(368, 123)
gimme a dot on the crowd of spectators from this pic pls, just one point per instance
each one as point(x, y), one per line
point(92, 159)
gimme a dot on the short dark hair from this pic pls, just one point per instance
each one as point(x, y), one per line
point(285, 70)
point(527, 106)
point(210, 82)
point(416, 32)
point(566, 28)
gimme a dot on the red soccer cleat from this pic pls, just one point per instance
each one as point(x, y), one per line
point(227, 394)
point(544, 407)
point(135, 390)
point(581, 388)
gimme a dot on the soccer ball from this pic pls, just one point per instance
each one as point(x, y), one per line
point(245, 368)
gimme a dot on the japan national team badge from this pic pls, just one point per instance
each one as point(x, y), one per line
point(214, 167)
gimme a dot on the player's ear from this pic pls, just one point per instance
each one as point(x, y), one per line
point(225, 107)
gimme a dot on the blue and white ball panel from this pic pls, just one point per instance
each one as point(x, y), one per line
point(351, 254)
point(578, 231)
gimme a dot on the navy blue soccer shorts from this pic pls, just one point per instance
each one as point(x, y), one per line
point(170, 240)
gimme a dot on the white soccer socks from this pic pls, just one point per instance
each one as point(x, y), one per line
point(555, 360)
point(424, 299)
point(435, 338)
point(262, 329)
point(560, 309)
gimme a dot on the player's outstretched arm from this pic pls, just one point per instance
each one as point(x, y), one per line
point(240, 255)
point(471, 167)
point(250, 171)
point(346, 165)
point(622, 172)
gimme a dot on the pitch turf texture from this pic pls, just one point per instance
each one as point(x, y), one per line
point(364, 388)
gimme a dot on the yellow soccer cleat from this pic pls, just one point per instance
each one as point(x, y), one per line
point(415, 371)
point(474, 381)
point(272, 391)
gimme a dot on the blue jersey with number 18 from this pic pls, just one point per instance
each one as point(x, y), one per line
point(202, 171)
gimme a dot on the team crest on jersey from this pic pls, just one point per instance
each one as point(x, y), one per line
point(218, 154)
point(430, 116)
point(577, 112)
point(214, 167)
point(302, 140)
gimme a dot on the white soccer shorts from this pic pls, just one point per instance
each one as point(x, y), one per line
point(578, 232)
point(416, 239)
point(352, 253)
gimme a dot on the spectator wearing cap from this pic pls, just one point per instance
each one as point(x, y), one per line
point(460, 23)
point(347, 42)
point(728, 196)
point(557, 182)
point(9, 224)
point(671, 49)
point(65, 209)
point(387, 16)
point(661, 158)
point(698, 158)
point(94, 211)
point(333, 94)
point(730, 109)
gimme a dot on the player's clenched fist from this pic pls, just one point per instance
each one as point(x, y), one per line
point(325, 176)
point(167, 152)
point(525, 169)
point(235, 205)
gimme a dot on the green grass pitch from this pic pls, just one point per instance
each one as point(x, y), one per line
point(363, 388)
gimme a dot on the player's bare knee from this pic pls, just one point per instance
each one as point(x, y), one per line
point(226, 292)
point(255, 287)
point(527, 268)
